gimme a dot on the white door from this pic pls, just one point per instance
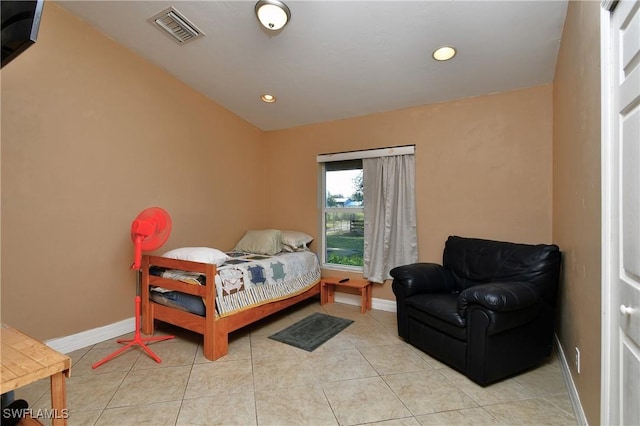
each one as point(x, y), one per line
point(621, 214)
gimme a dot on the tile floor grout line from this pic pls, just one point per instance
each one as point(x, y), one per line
point(128, 372)
point(186, 386)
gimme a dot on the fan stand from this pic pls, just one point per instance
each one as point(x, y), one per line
point(137, 339)
point(149, 231)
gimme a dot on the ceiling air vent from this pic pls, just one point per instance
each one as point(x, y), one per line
point(176, 25)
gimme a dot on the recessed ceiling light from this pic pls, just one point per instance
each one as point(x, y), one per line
point(268, 98)
point(444, 53)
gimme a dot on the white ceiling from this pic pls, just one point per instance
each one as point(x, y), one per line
point(340, 59)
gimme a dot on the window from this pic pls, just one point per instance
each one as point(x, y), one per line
point(368, 210)
point(343, 214)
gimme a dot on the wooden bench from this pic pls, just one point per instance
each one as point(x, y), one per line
point(26, 360)
point(328, 288)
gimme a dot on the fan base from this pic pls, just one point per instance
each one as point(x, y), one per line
point(137, 340)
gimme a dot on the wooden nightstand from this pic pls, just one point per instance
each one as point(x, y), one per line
point(328, 288)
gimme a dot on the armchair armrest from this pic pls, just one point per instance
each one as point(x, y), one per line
point(418, 278)
point(499, 297)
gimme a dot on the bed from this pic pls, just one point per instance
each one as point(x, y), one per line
point(251, 283)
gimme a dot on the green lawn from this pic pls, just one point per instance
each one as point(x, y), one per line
point(345, 249)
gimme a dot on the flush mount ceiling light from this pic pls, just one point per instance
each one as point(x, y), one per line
point(268, 98)
point(444, 53)
point(272, 14)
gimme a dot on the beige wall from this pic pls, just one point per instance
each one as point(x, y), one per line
point(576, 196)
point(483, 168)
point(91, 135)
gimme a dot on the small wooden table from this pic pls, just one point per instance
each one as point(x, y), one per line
point(26, 360)
point(328, 288)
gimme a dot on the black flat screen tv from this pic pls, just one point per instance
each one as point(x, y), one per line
point(20, 24)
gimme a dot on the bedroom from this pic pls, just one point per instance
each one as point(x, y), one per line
point(116, 143)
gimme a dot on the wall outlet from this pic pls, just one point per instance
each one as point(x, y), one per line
point(577, 360)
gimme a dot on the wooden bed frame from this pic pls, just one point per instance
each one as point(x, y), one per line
point(215, 330)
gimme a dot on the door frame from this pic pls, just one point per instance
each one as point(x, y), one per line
point(608, 384)
point(610, 151)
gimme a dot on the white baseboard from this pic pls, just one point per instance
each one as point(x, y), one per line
point(91, 337)
point(354, 299)
point(571, 387)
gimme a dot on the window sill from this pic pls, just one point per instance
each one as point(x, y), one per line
point(346, 268)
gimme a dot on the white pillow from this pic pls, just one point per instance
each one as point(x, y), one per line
point(295, 240)
point(198, 254)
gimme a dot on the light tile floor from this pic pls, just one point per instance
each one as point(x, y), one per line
point(364, 375)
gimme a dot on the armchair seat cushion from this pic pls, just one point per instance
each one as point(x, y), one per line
point(439, 311)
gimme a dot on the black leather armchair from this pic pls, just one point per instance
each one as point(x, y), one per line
point(488, 311)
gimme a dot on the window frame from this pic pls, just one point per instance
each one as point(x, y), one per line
point(324, 209)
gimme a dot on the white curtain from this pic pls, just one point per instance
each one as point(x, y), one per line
point(390, 237)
